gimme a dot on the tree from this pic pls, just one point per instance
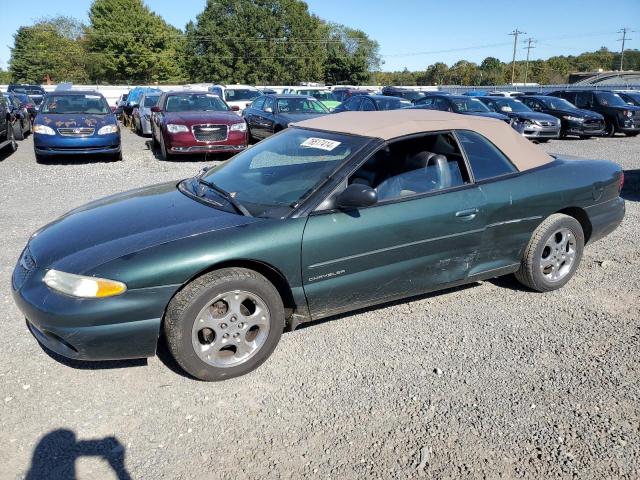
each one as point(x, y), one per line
point(351, 55)
point(256, 41)
point(5, 77)
point(127, 42)
point(50, 50)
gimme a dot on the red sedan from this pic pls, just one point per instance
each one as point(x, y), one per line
point(195, 122)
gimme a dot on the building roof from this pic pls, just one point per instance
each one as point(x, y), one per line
point(391, 124)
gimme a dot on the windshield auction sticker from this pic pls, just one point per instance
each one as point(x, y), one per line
point(320, 143)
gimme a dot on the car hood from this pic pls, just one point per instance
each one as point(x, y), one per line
point(533, 116)
point(497, 116)
point(194, 118)
point(124, 224)
point(580, 113)
point(298, 117)
point(73, 120)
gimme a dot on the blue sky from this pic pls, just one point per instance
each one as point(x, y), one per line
point(416, 33)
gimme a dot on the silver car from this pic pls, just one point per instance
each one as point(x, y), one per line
point(142, 115)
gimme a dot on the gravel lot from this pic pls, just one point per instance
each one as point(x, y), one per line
point(485, 381)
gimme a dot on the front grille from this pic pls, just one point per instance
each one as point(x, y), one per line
point(76, 132)
point(545, 123)
point(26, 265)
point(210, 133)
point(593, 125)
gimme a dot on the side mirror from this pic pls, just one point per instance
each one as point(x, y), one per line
point(155, 109)
point(235, 108)
point(356, 195)
point(268, 110)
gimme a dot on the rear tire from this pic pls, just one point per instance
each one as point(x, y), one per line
point(18, 133)
point(553, 254)
point(224, 324)
point(13, 145)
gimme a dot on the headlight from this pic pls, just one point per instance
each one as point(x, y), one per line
point(107, 129)
point(573, 119)
point(81, 286)
point(43, 130)
point(173, 128)
point(238, 127)
point(627, 113)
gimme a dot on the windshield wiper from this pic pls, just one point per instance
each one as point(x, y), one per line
point(236, 204)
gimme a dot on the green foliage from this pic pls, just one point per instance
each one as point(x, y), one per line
point(5, 77)
point(351, 56)
point(256, 41)
point(128, 43)
point(492, 71)
point(50, 50)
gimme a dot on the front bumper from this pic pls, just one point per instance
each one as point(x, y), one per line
point(115, 328)
point(185, 143)
point(59, 145)
point(535, 131)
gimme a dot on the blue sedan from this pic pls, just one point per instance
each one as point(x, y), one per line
point(76, 123)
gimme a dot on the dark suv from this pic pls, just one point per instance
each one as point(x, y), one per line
point(407, 94)
point(618, 115)
point(35, 92)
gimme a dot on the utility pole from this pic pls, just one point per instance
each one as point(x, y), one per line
point(529, 41)
point(515, 34)
point(624, 38)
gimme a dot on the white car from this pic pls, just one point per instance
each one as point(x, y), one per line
point(236, 95)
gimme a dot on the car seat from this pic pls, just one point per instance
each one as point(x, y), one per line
point(427, 171)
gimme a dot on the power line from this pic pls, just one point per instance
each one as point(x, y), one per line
point(515, 34)
point(529, 41)
point(624, 38)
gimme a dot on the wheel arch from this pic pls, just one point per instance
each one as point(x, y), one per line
point(581, 216)
point(271, 273)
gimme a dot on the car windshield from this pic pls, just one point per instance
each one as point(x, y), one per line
point(271, 177)
point(608, 99)
point(151, 101)
point(300, 105)
point(511, 105)
point(195, 102)
point(325, 96)
point(469, 105)
point(391, 103)
point(80, 103)
point(556, 103)
point(22, 97)
point(412, 96)
point(240, 94)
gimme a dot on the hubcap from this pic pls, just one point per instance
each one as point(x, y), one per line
point(558, 255)
point(231, 329)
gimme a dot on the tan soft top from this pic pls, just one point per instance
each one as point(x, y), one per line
point(392, 124)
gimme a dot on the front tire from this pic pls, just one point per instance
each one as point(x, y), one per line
point(609, 129)
point(224, 324)
point(631, 134)
point(553, 254)
point(162, 150)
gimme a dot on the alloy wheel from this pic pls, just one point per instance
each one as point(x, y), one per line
point(558, 255)
point(231, 329)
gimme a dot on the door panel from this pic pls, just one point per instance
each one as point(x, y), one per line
point(363, 257)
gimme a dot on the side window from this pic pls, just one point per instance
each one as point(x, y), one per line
point(367, 105)
point(485, 158)
point(442, 104)
point(584, 99)
point(258, 103)
point(411, 167)
point(269, 103)
point(217, 91)
point(354, 103)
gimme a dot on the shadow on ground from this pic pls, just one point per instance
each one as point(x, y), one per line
point(55, 455)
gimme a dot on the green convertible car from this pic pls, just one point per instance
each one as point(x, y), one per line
point(334, 214)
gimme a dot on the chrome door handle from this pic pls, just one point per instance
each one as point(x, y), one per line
point(468, 214)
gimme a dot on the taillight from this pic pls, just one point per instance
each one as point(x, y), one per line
point(621, 182)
